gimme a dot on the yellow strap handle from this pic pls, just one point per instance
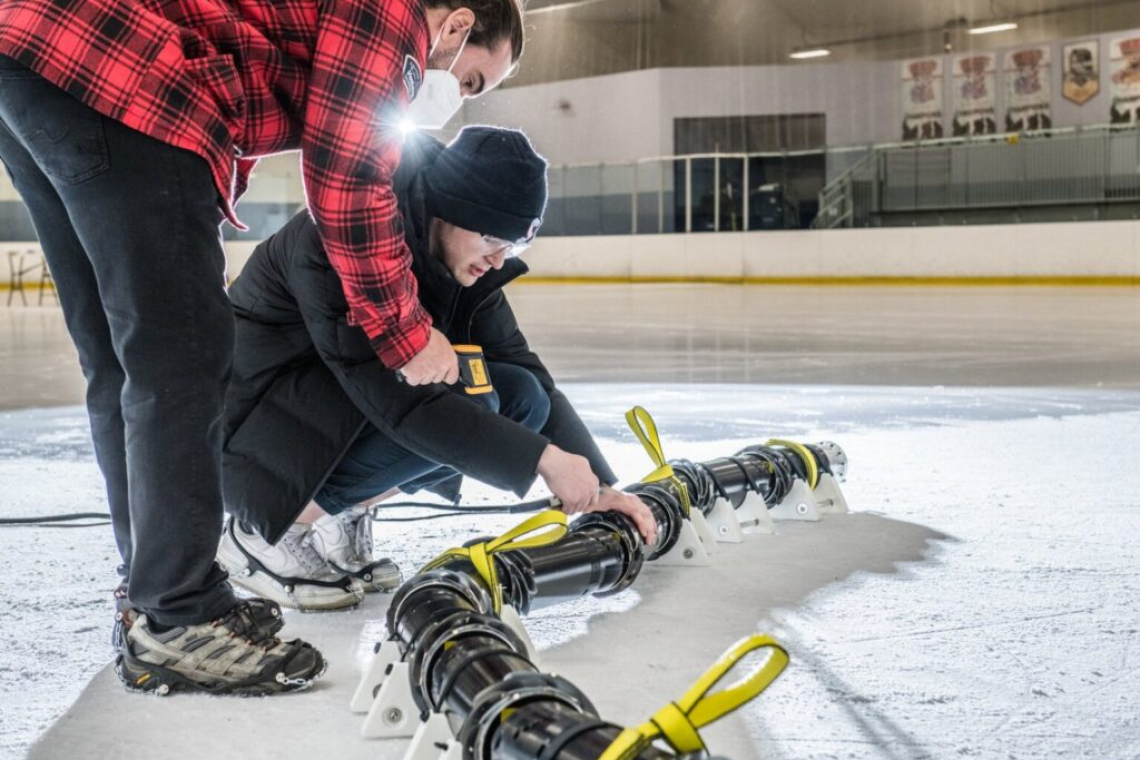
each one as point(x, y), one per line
point(643, 426)
point(805, 454)
point(481, 555)
point(678, 723)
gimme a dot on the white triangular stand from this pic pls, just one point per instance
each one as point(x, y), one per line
point(704, 532)
point(454, 751)
point(799, 504)
point(687, 551)
point(723, 522)
point(432, 738)
point(754, 515)
point(510, 616)
point(829, 498)
point(369, 686)
point(394, 714)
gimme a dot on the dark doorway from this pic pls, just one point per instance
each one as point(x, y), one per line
point(798, 179)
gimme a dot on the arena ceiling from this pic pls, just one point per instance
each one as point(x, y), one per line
point(835, 19)
point(575, 38)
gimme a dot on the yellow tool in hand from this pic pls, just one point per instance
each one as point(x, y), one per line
point(472, 370)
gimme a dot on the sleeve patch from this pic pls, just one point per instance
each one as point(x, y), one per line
point(413, 77)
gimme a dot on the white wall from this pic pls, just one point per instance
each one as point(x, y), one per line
point(1069, 250)
point(611, 118)
point(237, 253)
point(625, 117)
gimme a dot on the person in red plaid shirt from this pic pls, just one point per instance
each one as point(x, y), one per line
point(130, 128)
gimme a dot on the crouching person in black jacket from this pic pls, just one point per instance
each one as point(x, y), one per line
point(318, 429)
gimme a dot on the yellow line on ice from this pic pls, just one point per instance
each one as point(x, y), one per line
point(1033, 281)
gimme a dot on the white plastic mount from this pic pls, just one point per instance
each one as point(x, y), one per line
point(688, 551)
point(386, 656)
point(754, 515)
point(432, 740)
point(510, 616)
point(394, 714)
point(724, 523)
point(704, 531)
point(454, 751)
point(799, 504)
point(829, 497)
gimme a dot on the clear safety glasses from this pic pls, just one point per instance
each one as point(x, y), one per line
point(511, 250)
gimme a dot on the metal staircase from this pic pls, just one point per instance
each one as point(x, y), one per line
point(838, 202)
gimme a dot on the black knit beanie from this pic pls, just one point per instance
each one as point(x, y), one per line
point(490, 181)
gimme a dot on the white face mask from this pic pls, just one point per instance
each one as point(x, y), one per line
point(440, 96)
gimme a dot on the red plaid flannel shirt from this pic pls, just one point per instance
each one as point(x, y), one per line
point(232, 81)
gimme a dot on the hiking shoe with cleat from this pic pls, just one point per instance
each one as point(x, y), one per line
point(266, 614)
point(290, 572)
point(124, 616)
point(235, 654)
point(345, 542)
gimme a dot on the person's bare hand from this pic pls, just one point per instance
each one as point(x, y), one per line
point(436, 363)
point(611, 500)
point(569, 477)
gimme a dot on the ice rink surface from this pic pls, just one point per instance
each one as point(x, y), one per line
point(980, 602)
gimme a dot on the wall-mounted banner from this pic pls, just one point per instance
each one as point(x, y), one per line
point(1125, 81)
point(1027, 97)
point(1081, 62)
point(975, 86)
point(922, 99)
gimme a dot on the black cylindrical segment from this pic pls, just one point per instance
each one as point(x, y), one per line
point(465, 670)
point(423, 607)
point(555, 731)
point(734, 478)
point(586, 562)
point(468, 664)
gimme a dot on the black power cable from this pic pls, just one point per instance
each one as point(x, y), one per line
point(454, 510)
point(450, 510)
point(53, 521)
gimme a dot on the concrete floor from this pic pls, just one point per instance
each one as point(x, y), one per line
point(768, 572)
point(955, 406)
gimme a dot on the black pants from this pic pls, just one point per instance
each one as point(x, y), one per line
point(129, 227)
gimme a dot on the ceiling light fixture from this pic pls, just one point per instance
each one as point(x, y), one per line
point(991, 28)
point(810, 53)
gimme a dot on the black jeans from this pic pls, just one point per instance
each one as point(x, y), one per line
point(129, 227)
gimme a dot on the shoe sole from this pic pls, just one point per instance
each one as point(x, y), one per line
point(263, 586)
point(260, 585)
point(148, 678)
point(387, 580)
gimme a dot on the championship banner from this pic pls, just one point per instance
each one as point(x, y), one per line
point(922, 99)
point(1081, 62)
point(1125, 80)
point(1027, 96)
point(975, 88)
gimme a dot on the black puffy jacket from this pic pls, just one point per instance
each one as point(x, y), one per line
point(306, 383)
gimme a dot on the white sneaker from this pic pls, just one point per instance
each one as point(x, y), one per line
point(290, 573)
point(345, 543)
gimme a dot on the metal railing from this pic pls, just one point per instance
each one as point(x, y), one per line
point(837, 206)
point(1097, 166)
point(935, 181)
point(708, 192)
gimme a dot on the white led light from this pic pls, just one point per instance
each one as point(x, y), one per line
point(813, 53)
point(407, 126)
point(993, 28)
